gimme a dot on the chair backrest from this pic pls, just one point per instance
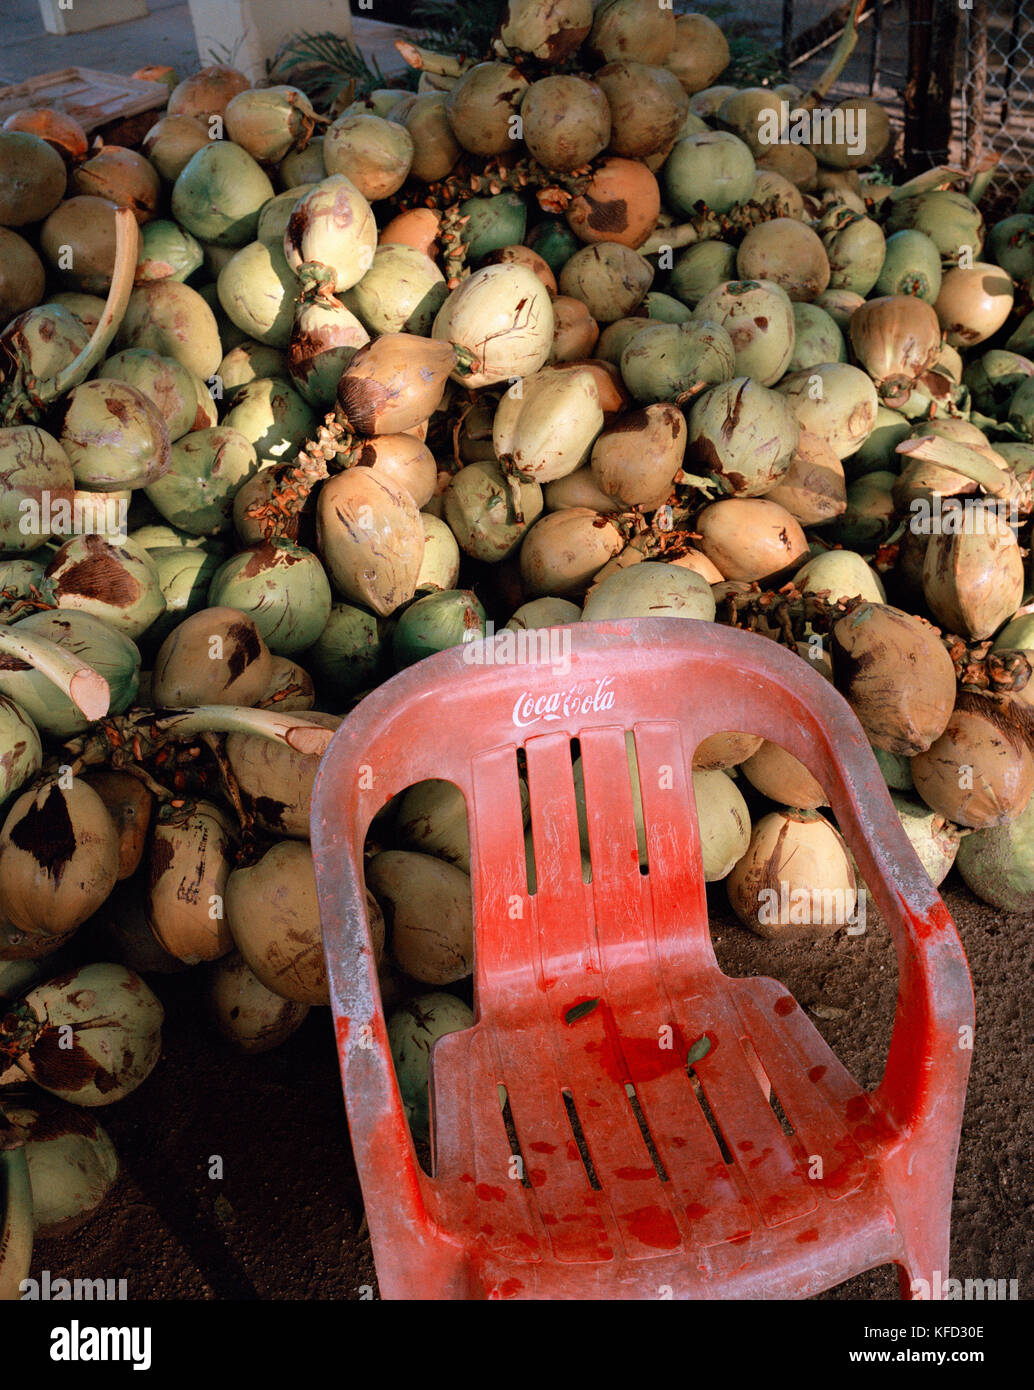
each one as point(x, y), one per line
point(464, 714)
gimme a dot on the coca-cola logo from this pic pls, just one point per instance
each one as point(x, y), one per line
point(585, 698)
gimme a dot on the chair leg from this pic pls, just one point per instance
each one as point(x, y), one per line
point(923, 1269)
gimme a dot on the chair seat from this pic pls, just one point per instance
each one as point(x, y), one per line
point(576, 1181)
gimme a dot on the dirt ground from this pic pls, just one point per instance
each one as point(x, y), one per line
point(285, 1220)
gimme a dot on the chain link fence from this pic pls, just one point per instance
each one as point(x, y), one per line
point(996, 117)
point(992, 95)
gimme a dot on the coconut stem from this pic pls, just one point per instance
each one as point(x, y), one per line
point(440, 64)
point(85, 687)
point(942, 177)
point(299, 734)
point(980, 180)
point(710, 225)
point(230, 784)
point(964, 459)
point(846, 45)
point(16, 1222)
point(127, 254)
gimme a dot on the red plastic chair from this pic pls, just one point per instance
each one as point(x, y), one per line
point(728, 1204)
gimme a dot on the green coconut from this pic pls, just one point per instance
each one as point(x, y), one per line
point(700, 268)
point(554, 242)
point(488, 514)
point(97, 644)
point(413, 1031)
point(745, 434)
point(816, 338)
point(282, 587)
point(167, 252)
point(207, 468)
point(273, 417)
point(114, 436)
point(911, 265)
point(350, 653)
point(185, 574)
point(440, 566)
point(716, 169)
point(664, 360)
point(759, 319)
point(400, 293)
point(493, 223)
point(219, 194)
point(175, 321)
point(21, 752)
point(35, 473)
point(651, 589)
point(249, 361)
point(18, 578)
point(115, 580)
point(998, 864)
point(165, 382)
point(439, 620)
point(257, 290)
point(325, 336)
point(842, 574)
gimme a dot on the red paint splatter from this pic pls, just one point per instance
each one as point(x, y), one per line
point(509, 1288)
point(695, 1211)
point(806, 1237)
point(490, 1194)
point(785, 1005)
point(634, 1174)
point(541, 1147)
point(816, 1073)
point(653, 1226)
point(537, 1176)
point(746, 1145)
point(527, 1240)
point(857, 1109)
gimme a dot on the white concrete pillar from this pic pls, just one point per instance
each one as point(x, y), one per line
point(252, 30)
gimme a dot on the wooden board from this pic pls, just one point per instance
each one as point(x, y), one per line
point(93, 98)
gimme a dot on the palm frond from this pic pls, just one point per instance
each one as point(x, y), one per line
point(320, 64)
point(458, 26)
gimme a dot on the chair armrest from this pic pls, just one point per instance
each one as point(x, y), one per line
point(381, 1138)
